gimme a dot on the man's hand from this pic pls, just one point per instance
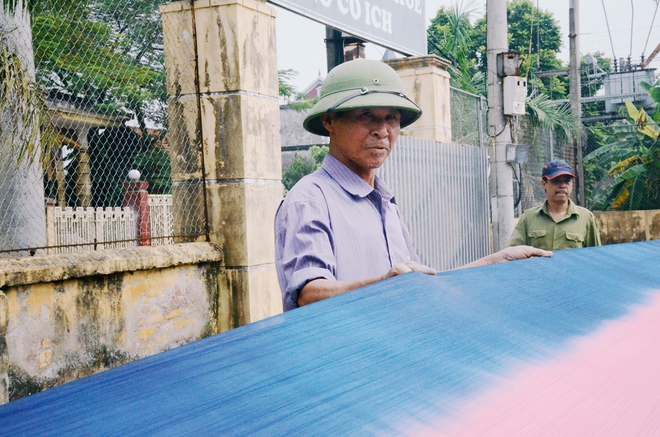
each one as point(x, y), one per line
point(320, 289)
point(410, 266)
point(518, 252)
point(509, 254)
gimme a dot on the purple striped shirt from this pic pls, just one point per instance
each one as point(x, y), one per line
point(333, 225)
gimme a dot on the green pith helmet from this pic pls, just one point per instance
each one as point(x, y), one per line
point(360, 84)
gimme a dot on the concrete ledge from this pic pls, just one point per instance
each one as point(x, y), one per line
point(628, 226)
point(257, 5)
point(418, 62)
point(52, 268)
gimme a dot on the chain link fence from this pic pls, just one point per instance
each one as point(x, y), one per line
point(544, 145)
point(99, 66)
point(468, 118)
point(621, 166)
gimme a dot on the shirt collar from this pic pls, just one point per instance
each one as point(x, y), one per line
point(351, 182)
point(572, 209)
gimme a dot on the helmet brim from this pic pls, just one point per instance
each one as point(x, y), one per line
point(409, 111)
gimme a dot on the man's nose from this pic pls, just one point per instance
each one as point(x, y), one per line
point(380, 128)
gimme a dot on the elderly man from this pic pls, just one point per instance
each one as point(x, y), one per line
point(558, 223)
point(339, 228)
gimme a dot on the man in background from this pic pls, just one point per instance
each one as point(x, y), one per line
point(558, 223)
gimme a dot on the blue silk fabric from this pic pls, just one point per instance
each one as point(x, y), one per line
point(370, 362)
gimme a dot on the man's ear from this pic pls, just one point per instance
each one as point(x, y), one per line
point(326, 120)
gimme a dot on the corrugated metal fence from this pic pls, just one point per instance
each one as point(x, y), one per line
point(442, 192)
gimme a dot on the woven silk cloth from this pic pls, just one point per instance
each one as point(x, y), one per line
point(561, 346)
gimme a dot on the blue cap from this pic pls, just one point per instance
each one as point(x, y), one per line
point(556, 168)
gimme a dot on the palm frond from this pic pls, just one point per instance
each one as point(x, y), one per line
point(28, 127)
point(622, 196)
point(637, 191)
point(615, 151)
point(544, 112)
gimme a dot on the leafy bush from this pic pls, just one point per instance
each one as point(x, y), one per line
point(631, 161)
point(302, 167)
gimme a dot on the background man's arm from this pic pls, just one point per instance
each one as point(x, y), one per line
point(319, 289)
point(509, 254)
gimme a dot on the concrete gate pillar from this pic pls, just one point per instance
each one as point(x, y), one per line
point(237, 66)
point(426, 81)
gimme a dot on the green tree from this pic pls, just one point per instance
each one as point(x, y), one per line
point(141, 40)
point(532, 32)
point(631, 162)
point(287, 91)
point(301, 167)
point(107, 56)
point(294, 99)
point(155, 167)
point(545, 113)
point(536, 35)
point(452, 36)
point(103, 54)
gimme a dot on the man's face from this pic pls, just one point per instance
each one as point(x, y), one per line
point(559, 189)
point(363, 139)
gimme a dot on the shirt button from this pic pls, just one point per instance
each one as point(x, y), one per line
point(408, 258)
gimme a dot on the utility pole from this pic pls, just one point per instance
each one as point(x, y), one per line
point(334, 47)
point(501, 177)
point(340, 48)
point(575, 90)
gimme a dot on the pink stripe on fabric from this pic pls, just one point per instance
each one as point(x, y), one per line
point(607, 385)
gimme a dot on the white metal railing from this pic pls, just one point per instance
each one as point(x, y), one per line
point(160, 216)
point(442, 192)
point(81, 229)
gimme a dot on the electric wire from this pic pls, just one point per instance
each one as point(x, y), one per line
point(608, 29)
point(531, 40)
point(657, 3)
point(500, 132)
point(518, 184)
point(436, 44)
point(632, 26)
point(538, 40)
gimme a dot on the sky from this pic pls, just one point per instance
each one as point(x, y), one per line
point(300, 43)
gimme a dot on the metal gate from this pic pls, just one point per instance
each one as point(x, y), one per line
point(442, 192)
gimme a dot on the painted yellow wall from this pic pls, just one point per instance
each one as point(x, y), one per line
point(78, 314)
point(628, 226)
